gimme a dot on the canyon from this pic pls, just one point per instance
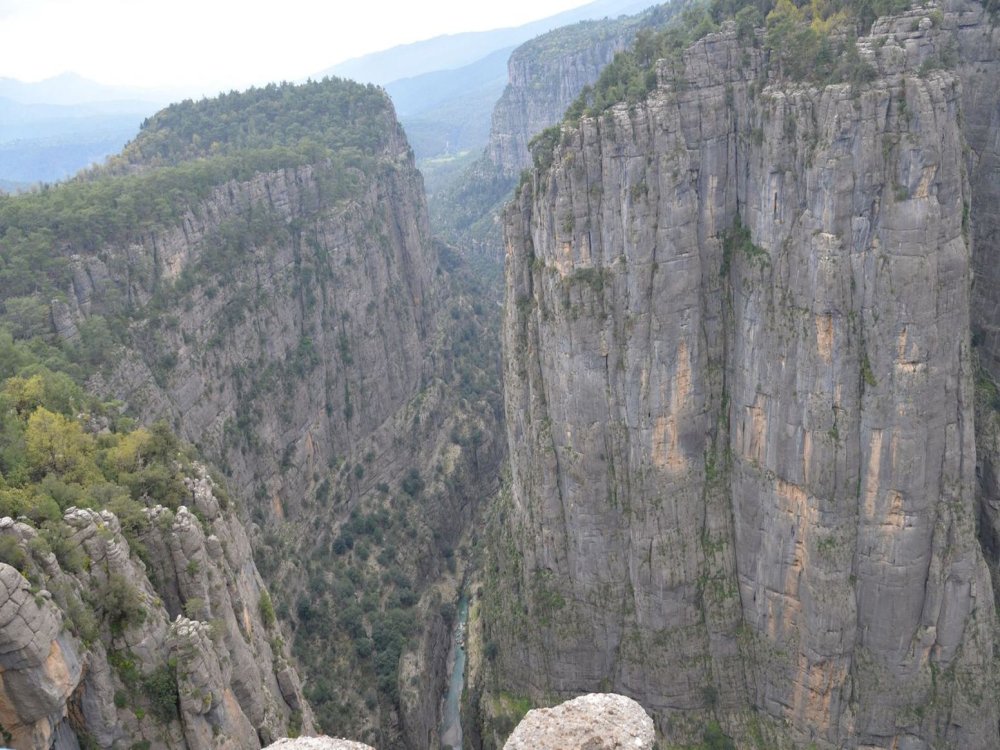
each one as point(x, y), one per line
point(730, 446)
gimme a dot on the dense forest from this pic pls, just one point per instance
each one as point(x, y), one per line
point(178, 159)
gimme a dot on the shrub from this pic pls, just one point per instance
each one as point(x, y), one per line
point(194, 608)
point(160, 688)
point(412, 483)
point(123, 605)
point(266, 610)
point(12, 554)
point(69, 554)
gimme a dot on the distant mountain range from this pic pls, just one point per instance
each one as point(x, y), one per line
point(443, 88)
point(448, 111)
point(458, 50)
point(52, 129)
point(70, 89)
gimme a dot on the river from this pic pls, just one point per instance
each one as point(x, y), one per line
point(451, 711)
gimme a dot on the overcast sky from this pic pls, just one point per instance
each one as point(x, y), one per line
point(223, 44)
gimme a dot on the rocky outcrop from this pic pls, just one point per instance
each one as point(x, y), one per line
point(39, 665)
point(590, 722)
point(94, 644)
point(972, 51)
point(318, 743)
point(740, 406)
point(291, 350)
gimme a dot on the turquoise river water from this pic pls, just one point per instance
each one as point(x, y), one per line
point(451, 711)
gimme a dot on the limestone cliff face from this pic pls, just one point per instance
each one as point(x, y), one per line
point(740, 406)
point(169, 650)
point(545, 76)
point(300, 331)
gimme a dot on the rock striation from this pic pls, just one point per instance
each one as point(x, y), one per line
point(545, 76)
point(40, 666)
point(739, 391)
point(101, 650)
point(590, 722)
point(304, 343)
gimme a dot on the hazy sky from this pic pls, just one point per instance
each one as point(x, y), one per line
point(222, 44)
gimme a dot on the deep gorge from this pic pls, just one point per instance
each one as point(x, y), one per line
point(728, 447)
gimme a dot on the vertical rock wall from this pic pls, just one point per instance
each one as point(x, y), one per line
point(300, 349)
point(544, 78)
point(739, 401)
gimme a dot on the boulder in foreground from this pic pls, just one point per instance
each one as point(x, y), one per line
point(598, 721)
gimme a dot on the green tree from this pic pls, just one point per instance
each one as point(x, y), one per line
point(56, 444)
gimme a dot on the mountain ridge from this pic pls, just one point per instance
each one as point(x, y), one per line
point(457, 50)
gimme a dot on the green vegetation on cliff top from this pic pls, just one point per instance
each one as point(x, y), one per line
point(808, 41)
point(181, 155)
point(61, 447)
point(328, 115)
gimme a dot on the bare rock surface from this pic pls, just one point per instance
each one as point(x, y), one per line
point(314, 372)
point(318, 743)
point(740, 400)
point(219, 678)
point(39, 669)
point(598, 721)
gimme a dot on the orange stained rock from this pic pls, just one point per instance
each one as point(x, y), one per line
point(754, 430)
point(247, 621)
point(564, 259)
point(815, 685)
point(923, 189)
point(666, 451)
point(230, 702)
point(895, 517)
point(824, 337)
point(784, 607)
point(57, 670)
point(872, 475)
point(908, 356)
point(37, 733)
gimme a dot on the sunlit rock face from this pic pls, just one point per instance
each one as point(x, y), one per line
point(317, 743)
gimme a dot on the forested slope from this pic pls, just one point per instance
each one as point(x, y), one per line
point(257, 272)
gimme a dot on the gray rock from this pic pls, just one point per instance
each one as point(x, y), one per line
point(225, 672)
point(39, 666)
point(317, 743)
point(545, 76)
point(742, 456)
point(602, 721)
